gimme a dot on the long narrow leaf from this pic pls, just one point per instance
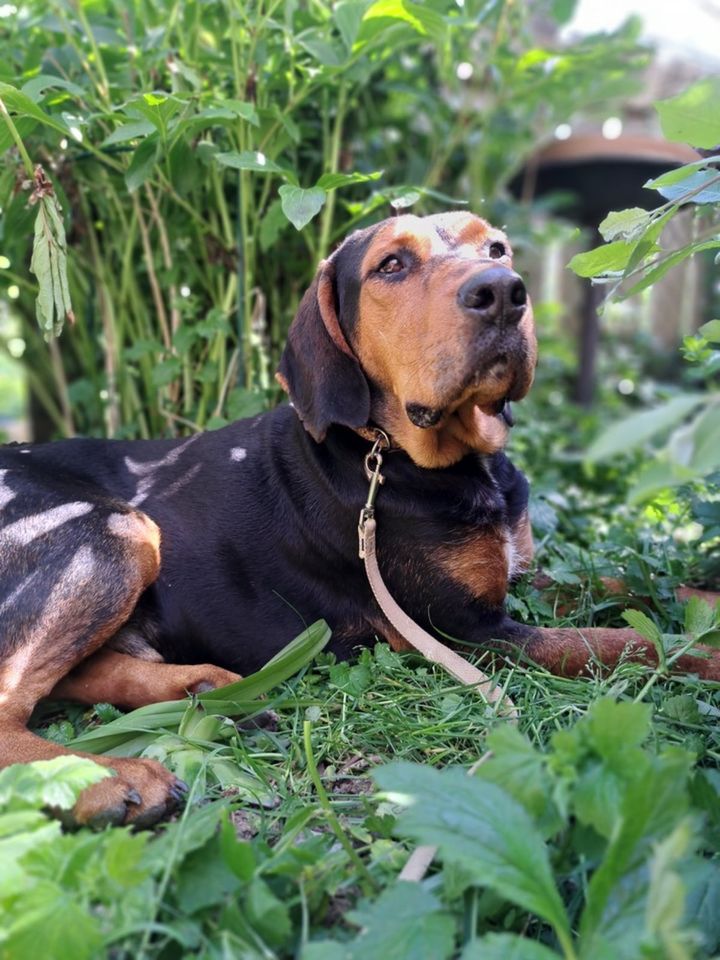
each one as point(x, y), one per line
point(236, 699)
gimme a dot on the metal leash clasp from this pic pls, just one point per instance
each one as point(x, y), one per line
point(373, 463)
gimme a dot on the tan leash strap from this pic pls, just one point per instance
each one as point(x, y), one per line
point(413, 633)
point(419, 639)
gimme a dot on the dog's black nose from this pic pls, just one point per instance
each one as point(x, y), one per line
point(495, 296)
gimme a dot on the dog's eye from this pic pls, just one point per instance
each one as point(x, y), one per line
point(497, 250)
point(390, 265)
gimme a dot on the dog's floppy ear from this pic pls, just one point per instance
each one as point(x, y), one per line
point(318, 369)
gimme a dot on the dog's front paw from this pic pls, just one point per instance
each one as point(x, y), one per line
point(142, 793)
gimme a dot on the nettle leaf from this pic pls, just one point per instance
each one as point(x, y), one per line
point(50, 914)
point(49, 264)
point(666, 895)
point(693, 116)
point(507, 946)
point(517, 767)
point(629, 224)
point(610, 258)
point(406, 922)
point(52, 783)
point(651, 806)
point(644, 625)
point(299, 205)
point(484, 830)
point(634, 430)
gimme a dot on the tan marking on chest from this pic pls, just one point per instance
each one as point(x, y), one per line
point(479, 564)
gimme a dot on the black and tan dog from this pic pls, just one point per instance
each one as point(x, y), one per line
point(127, 567)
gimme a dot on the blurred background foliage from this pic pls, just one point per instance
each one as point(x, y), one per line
point(188, 141)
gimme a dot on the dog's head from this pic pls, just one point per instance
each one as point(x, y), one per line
point(420, 326)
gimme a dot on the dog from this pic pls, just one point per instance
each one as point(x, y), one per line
point(138, 571)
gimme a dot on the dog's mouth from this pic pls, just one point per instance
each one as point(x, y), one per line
point(486, 393)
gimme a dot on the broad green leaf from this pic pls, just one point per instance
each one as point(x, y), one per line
point(563, 10)
point(693, 116)
point(656, 476)
point(142, 163)
point(237, 854)
point(300, 206)
point(38, 86)
point(249, 160)
point(404, 923)
point(628, 224)
point(679, 173)
point(705, 438)
point(658, 270)
point(272, 225)
point(348, 15)
point(325, 950)
point(647, 242)
point(421, 18)
point(711, 331)
point(157, 108)
point(635, 430)
point(699, 616)
point(507, 946)
point(181, 837)
point(703, 186)
point(315, 40)
point(242, 109)
point(129, 131)
point(330, 181)
point(204, 879)
point(21, 104)
point(483, 829)
point(609, 258)
point(166, 371)
point(267, 914)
